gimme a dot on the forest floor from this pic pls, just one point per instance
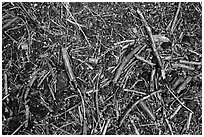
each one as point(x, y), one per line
point(101, 68)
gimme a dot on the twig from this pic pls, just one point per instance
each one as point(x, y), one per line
point(172, 93)
point(97, 86)
point(125, 61)
point(155, 53)
point(134, 104)
point(177, 65)
point(167, 121)
point(66, 6)
point(135, 128)
point(65, 56)
point(18, 128)
point(147, 110)
point(189, 121)
point(190, 62)
point(44, 75)
point(9, 23)
point(134, 91)
point(187, 124)
point(175, 18)
point(51, 91)
point(152, 80)
point(178, 81)
point(32, 79)
point(5, 97)
point(104, 129)
point(125, 41)
point(176, 111)
point(60, 129)
point(44, 103)
point(72, 77)
point(27, 108)
point(70, 109)
point(6, 86)
point(144, 60)
point(183, 85)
